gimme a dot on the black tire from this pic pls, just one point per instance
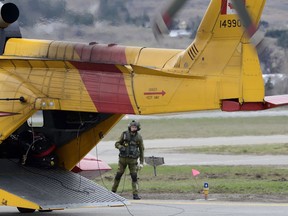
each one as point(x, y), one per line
point(25, 210)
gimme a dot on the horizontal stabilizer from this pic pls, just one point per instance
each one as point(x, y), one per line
point(91, 167)
point(276, 100)
point(269, 102)
point(180, 73)
point(54, 188)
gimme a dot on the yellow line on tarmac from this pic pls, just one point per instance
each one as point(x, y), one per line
point(195, 202)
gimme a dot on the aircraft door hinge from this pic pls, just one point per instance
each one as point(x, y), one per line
point(4, 202)
point(133, 91)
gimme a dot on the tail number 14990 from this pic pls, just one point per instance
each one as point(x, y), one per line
point(230, 23)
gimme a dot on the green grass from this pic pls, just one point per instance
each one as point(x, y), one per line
point(265, 149)
point(222, 179)
point(205, 127)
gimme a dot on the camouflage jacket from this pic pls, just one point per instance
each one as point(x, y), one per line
point(131, 145)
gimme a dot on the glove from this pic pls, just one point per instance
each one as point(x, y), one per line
point(122, 148)
point(140, 166)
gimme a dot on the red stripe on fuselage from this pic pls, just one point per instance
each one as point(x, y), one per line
point(103, 80)
point(101, 53)
point(106, 86)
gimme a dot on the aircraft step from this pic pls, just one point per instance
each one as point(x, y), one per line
point(54, 188)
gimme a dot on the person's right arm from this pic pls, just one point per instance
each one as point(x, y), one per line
point(119, 142)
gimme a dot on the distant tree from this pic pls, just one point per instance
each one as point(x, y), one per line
point(283, 40)
point(142, 20)
point(31, 11)
point(274, 33)
point(275, 60)
point(269, 87)
point(73, 18)
point(34, 11)
point(114, 11)
point(263, 24)
point(193, 25)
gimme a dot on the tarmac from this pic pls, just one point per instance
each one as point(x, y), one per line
point(170, 208)
point(169, 150)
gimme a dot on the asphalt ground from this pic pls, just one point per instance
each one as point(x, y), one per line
point(106, 151)
point(170, 208)
point(164, 148)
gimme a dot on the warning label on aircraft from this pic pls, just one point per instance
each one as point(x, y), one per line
point(154, 93)
point(227, 7)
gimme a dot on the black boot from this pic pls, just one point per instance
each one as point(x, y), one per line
point(136, 197)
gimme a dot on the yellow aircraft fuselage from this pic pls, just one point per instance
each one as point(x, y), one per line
point(219, 70)
point(219, 66)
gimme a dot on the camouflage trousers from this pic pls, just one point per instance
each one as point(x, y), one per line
point(133, 168)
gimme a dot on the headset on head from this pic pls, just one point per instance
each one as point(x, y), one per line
point(134, 123)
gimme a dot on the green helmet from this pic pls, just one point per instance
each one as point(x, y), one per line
point(134, 123)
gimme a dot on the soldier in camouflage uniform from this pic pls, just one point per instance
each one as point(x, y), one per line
point(131, 148)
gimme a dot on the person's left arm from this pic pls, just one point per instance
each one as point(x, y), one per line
point(141, 150)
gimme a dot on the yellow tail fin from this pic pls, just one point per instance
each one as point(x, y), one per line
point(219, 35)
point(222, 50)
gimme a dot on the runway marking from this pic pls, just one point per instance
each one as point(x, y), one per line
point(217, 203)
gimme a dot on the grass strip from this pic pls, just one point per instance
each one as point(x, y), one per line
point(272, 180)
point(205, 127)
point(265, 149)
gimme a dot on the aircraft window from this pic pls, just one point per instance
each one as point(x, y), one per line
point(36, 120)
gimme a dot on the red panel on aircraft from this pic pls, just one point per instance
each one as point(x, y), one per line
point(85, 53)
point(106, 86)
point(103, 80)
point(232, 106)
point(101, 53)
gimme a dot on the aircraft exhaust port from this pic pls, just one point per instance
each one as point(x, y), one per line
point(9, 13)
